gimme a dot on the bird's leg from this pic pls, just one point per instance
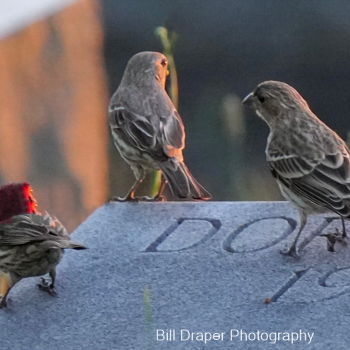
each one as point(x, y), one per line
point(3, 302)
point(130, 197)
point(46, 287)
point(12, 279)
point(131, 194)
point(158, 196)
point(344, 236)
point(292, 250)
point(53, 279)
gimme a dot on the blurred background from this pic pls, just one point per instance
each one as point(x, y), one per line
point(61, 60)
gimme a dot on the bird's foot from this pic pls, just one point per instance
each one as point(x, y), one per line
point(152, 199)
point(332, 238)
point(146, 199)
point(159, 199)
point(46, 287)
point(291, 252)
point(118, 199)
point(129, 199)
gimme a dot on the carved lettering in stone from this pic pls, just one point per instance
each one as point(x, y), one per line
point(185, 233)
point(259, 234)
point(310, 285)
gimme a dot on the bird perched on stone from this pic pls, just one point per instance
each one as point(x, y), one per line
point(32, 245)
point(147, 129)
point(15, 198)
point(309, 160)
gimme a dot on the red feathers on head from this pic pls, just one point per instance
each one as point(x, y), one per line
point(16, 198)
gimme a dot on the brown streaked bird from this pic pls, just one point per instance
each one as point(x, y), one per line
point(32, 245)
point(309, 161)
point(147, 129)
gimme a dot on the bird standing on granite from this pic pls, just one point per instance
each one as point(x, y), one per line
point(15, 198)
point(30, 244)
point(309, 161)
point(148, 131)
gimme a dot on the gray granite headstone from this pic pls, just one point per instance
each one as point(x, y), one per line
point(189, 276)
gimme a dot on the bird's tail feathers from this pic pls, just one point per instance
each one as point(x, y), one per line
point(55, 225)
point(61, 244)
point(75, 246)
point(181, 181)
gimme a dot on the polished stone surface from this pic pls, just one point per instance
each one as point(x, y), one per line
point(158, 271)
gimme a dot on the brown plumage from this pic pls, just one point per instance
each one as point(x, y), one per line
point(32, 245)
point(147, 130)
point(309, 160)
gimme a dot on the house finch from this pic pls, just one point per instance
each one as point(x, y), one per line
point(147, 130)
point(32, 245)
point(309, 161)
point(15, 198)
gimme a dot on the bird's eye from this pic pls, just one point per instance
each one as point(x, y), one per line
point(261, 99)
point(163, 62)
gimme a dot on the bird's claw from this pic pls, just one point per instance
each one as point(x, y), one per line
point(145, 199)
point(119, 199)
point(129, 199)
point(159, 199)
point(46, 287)
point(290, 252)
point(332, 238)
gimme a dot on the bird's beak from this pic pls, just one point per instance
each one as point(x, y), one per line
point(249, 100)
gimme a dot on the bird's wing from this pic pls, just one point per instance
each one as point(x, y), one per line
point(160, 136)
point(24, 229)
point(325, 181)
point(172, 135)
point(173, 130)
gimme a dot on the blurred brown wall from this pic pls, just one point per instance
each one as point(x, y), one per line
point(53, 102)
